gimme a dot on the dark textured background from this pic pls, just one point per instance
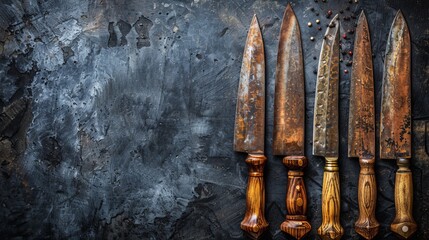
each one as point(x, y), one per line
point(117, 117)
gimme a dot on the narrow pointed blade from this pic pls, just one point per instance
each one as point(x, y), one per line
point(289, 105)
point(395, 127)
point(250, 113)
point(325, 124)
point(361, 139)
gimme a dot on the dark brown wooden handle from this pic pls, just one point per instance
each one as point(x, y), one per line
point(403, 224)
point(331, 226)
point(254, 222)
point(367, 225)
point(296, 223)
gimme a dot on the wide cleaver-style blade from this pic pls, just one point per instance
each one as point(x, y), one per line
point(395, 127)
point(361, 138)
point(325, 125)
point(289, 105)
point(250, 113)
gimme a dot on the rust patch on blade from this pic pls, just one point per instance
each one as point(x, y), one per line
point(250, 113)
point(395, 127)
point(289, 105)
point(361, 138)
point(325, 128)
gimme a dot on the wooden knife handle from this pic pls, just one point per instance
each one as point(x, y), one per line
point(254, 222)
point(404, 224)
point(296, 223)
point(367, 225)
point(331, 226)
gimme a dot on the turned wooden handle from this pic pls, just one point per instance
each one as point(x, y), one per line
point(403, 224)
point(331, 226)
point(367, 225)
point(296, 223)
point(254, 222)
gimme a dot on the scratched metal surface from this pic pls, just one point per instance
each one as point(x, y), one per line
point(118, 117)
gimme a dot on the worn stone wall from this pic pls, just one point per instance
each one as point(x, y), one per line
point(117, 117)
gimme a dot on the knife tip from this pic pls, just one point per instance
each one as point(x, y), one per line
point(399, 12)
point(400, 22)
point(362, 14)
point(334, 22)
point(288, 14)
point(255, 20)
point(362, 17)
point(399, 15)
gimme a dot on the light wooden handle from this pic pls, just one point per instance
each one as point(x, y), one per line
point(254, 222)
point(296, 223)
point(367, 225)
point(403, 224)
point(331, 226)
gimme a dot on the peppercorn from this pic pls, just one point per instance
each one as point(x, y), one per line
point(317, 21)
point(346, 71)
point(350, 53)
point(345, 36)
point(309, 24)
point(312, 38)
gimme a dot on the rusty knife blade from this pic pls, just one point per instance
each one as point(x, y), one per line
point(361, 138)
point(250, 112)
point(395, 127)
point(289, 104)
point(325, 124)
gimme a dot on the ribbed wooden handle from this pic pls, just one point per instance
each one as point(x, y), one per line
point(331, 226)
point(296, 223)
point(403, 224)
point(254, 222)
point(367, 225)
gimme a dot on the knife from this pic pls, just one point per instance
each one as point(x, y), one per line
point(361, 138)
point(249, 129)
point(325, 130)
point(289, 122)
point(395, 127)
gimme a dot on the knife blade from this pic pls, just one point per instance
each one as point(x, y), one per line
point(289, 122)
point(249, 128)
point(361, 137)
point(395, 126)
point(325, 130)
